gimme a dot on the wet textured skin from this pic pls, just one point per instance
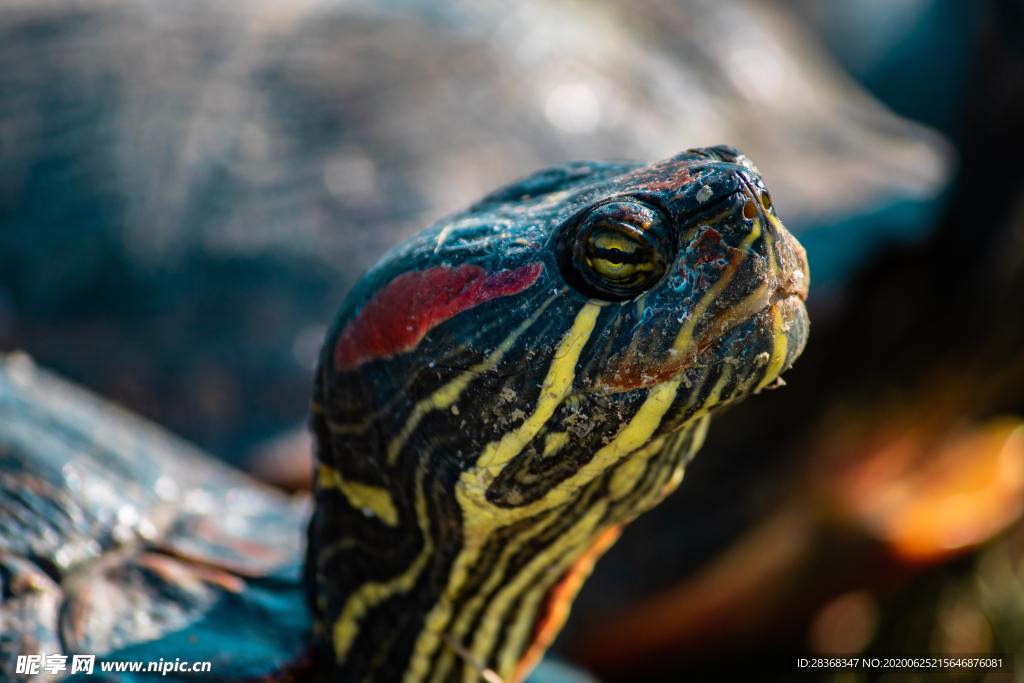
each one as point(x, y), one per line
point(488, 412)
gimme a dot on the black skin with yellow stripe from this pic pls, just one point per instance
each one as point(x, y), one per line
point(469, 476)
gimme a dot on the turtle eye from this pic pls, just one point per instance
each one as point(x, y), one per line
point(617, 250)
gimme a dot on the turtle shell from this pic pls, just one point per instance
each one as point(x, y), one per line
point(119, 540)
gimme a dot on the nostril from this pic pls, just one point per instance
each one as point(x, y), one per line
point(749, 209)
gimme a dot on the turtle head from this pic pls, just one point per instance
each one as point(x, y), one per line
point(709, 284)
point(504, 390)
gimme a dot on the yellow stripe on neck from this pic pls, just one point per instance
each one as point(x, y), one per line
point(366, 497)
point(446, 396)
point(780, 345)
point(530, 584)
point(553, 442)
point(372, 593)
point(437, 621)
point(557, 384)
point(556, 387)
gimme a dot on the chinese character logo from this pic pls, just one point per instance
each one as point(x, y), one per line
point(55, 664)
point(82, 664)
point(28, 665)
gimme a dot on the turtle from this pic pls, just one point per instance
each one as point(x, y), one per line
point(212, 169)
point(497, 397)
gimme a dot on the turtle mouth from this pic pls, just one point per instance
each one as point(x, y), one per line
point(766, 340)
point(792, 311)
point(777, 320)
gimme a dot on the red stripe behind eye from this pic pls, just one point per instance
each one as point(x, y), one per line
point(397, 317)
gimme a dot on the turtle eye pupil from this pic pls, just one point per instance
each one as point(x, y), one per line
point(614, 254)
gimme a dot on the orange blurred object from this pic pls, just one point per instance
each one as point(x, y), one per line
point(928, 498)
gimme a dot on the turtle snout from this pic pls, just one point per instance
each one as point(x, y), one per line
point(796, 279)
point(788, 259)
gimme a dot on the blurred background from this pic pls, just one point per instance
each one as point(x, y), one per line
point(188, 189)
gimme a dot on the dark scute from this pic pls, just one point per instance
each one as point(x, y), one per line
point(118, 540)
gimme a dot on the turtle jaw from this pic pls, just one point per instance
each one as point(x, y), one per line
point(769, 341)
point(793, 279)
point(792, 276)
point(790, 325)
